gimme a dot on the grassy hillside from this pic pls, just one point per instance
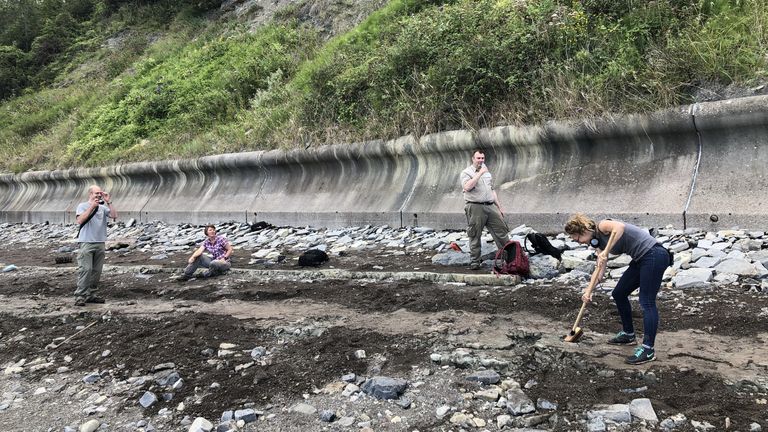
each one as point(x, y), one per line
point(132, 80)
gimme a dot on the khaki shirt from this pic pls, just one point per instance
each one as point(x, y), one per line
point(483, 190)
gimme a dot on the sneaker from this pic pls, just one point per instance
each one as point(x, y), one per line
point(183, 278)
point(94, 299)
point(475, 266)
point(641, 355)
point(207, 274)
point(79, 301)
point(622, 338)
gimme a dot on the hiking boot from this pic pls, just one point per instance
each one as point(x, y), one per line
point(207, 274)
point(475, 266)
point(94, 299)
point(79, 301)
point(641, 355)
point(622, 338)
point(183, 278)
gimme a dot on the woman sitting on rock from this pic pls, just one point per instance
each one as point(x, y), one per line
point(649, 261)
point(218, 263)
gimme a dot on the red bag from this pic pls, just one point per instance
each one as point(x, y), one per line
point(511, 259)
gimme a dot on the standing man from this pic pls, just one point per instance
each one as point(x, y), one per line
point(482, 207)
point(92, 217)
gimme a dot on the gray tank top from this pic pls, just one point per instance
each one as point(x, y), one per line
point(635, 241)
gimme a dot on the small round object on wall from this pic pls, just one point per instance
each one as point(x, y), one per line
point(713, 218)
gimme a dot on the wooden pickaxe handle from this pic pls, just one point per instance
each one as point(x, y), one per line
point(590, 287)
point(69, 338)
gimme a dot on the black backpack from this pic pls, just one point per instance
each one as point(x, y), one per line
point(312, 258)
point(542, 245)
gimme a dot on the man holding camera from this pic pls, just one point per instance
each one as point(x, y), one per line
point(481, 208)
point(92, 218)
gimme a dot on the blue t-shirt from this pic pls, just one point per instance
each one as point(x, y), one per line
point(95, 231)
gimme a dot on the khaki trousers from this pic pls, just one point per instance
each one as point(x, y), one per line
point(481, 216)
point(90, 260)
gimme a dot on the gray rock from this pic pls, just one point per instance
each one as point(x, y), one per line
point(346, 421)
point(304, 408)
point(673, 422)
point(227, 416)
point(349, 378)
point(692, 278)
point(545, 404)
point(518, 403)
point(91, 378)
point(617, 413)
point(227, 426)
point(486, 377)
point(201, 425)
point(147, 399)
point(451, 258)
point(247, 415)
point(258, 353)
point(620, 261)
point(706, 262)
point(442, 411)
point(544, 267)
point(462, 359)
point(382, 387)
point(90, 425)
point(679, 247)
point(759, 256)
point(167, 377)
point(642, 409)
point(163, 366)
point(327, 416)
point(596, 424)
point(404, 402)
point(703, 426)
point(740, 267)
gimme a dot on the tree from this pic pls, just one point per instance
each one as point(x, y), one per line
point(12, 78)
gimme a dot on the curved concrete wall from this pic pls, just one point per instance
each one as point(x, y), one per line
point(677, 166)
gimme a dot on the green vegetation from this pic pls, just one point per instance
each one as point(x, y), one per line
point(130, 80)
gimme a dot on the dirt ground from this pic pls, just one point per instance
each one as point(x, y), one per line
point(712, 354)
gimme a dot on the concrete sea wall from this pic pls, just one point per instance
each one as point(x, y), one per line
point(703, 165)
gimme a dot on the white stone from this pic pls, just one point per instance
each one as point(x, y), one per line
point(90, 426)
point(622, 260)
point(706, 262)
point(304, 408)
point(201, 425)
point(642, 409)
point(736, 266)
point(617, 272)
point(726, 278)
point(503, 420)
point(692, 278)
point(442, 411)
point(617, 413)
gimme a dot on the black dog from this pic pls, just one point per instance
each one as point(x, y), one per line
point(313, 258)
point(261, 225)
